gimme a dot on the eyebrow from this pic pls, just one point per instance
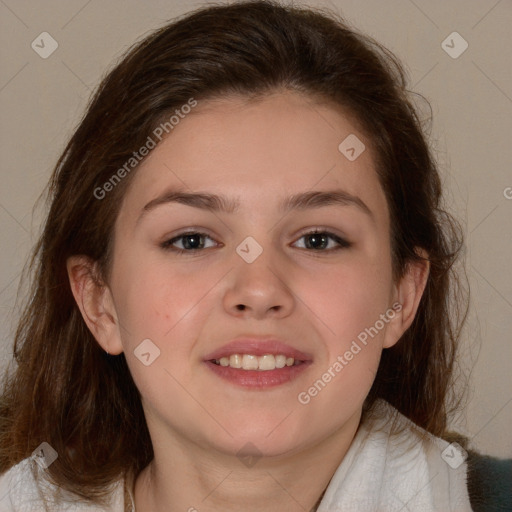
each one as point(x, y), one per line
point(218, 203)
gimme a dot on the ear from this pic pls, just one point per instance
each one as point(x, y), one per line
point(95, 301)
point(407, 295)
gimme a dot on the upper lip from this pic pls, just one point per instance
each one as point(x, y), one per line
point(258, 347)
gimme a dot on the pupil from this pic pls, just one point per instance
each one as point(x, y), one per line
point(192, 241)
point(317, 241)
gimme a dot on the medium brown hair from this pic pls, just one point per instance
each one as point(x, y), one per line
point(63, 389)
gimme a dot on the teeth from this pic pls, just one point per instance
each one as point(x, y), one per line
point(267, 362)
point(235, 361)
point(251, 362)
point(280, 361)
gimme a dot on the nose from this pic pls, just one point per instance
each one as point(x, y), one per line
point(259, 289)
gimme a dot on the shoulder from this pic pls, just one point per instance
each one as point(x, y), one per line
point(392, 464)
point(18, 487)
point(26, 487)
point(489, 482)
point(418, 458)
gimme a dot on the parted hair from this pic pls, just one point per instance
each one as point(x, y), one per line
point(61, 387)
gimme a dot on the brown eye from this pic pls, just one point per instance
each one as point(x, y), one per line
point(321, 240)
point(191, 241)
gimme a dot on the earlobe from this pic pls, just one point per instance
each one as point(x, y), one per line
point(408, 293)
point(94, 299)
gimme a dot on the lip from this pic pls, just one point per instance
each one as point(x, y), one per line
point(258, 379)
point(258, 347)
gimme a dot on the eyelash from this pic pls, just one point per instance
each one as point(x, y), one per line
point(342, 243)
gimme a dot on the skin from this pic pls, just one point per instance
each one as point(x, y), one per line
point(317, 300)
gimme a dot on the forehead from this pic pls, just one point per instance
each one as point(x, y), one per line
point(253, 151)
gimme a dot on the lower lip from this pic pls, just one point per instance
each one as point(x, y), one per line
point(258, 379)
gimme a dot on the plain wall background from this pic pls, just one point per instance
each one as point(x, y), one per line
point(42, 100)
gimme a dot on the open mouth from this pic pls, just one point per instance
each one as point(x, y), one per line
point(258, 363)
point(257, 372)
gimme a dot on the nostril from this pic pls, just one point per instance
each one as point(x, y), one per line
point(240, 307)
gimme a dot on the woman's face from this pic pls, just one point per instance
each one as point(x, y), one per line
point(253, 286)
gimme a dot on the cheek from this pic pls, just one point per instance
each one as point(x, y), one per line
point(167, 309)
point(352, 306)
point(349, 298)
point(168, 306)
point(151, 299)
point(351, 302)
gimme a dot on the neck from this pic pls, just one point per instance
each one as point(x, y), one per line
point(187, 477)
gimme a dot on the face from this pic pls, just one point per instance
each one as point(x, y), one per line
point(276, 274)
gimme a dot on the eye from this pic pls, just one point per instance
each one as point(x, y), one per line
point(317, 240)
point(190, 241)
point(320, 240)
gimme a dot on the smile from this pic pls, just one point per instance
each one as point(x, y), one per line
point(258, 363)
point(252, 362)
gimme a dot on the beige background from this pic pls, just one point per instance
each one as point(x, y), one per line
point(41, 101)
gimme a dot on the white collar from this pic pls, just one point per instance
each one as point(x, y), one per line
point(403, 471)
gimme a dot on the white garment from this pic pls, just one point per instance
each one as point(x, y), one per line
point(381, 472)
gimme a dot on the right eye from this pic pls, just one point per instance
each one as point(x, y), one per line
point(190, 241)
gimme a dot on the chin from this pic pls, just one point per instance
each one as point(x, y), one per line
point(262, 440)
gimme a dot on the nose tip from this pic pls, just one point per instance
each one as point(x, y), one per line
point(256, 287)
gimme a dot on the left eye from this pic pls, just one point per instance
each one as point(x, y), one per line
point(319, 240)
